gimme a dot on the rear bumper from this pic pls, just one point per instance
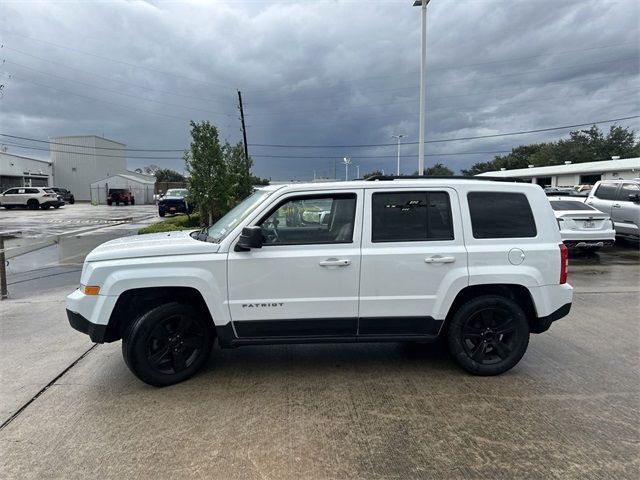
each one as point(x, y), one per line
point(96, 332)
point(53, 203)
point(542, 324)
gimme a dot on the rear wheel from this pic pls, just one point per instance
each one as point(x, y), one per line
point(109, 202)
point(133, 201)
point(33, 204)
point(168, 344)
point(56, 206)
point(72, 200)
point(488, 335)
point(161, 213)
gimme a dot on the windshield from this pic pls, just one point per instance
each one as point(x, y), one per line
point(176, 192)
point(222, 227)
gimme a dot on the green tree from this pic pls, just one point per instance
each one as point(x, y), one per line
point(439, 170)
point(239, 171)
point(372, 173)
point(205, 163)
point(582, 146)
point(168, 175)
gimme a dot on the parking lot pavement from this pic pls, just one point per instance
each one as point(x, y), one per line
point(570, 409)
point(70, 218)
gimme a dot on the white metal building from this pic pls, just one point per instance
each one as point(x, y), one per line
point(142, 189)
point(571, 174)
point(79, 161)
point(18, 171)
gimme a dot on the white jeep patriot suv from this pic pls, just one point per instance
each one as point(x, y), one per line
point(478, 262)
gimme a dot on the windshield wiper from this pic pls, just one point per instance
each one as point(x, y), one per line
point(202, 234)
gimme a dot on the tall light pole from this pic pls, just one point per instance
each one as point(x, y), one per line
point(357, 171)
point(402, 135)
point(347, 162)
point(423, 68)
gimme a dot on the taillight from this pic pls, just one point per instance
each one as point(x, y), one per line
point(564, 263)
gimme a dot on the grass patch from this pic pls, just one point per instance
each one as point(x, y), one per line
point(177, 222)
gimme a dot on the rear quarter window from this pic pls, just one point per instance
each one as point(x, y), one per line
point(607, 191)
point(501, 215)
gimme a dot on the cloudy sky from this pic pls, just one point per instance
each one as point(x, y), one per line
point(316, 73)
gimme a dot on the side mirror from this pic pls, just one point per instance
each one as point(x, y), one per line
point(634, 197)
point(251, 237)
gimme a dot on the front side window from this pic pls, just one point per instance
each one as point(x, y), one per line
point(628, 189)
point(501, 215)
point(11, 191)
point(410, 217)
point(233, 217)
point(607, 191)
point(307, 220)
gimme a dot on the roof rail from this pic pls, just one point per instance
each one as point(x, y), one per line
point(374, 178)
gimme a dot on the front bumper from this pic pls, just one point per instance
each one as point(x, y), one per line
point(97, 333)
point(173, 208)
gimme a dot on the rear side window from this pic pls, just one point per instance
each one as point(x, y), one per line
point(628, 189)
point(32, 190)
point(501, 215)
point(607, 191)
point(411, 217)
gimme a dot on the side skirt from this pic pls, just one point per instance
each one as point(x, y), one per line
point(379, 329)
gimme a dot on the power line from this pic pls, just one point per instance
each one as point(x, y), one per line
point(85, 146)
point(523, 132)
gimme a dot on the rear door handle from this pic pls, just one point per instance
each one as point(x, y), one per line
point(439, 259)
point(335, 262)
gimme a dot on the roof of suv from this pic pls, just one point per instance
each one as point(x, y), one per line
point(400, 182)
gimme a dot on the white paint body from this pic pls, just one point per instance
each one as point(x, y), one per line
point(363, 279)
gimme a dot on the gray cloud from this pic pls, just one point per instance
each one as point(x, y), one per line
point(316, 73)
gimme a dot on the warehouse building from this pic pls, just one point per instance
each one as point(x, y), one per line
point(141, 188)
point(80, 160)
point(18, 171)
point(571, 174)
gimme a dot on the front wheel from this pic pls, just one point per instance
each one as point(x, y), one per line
point(72, 200)
point(488, 335)
point(168, 344)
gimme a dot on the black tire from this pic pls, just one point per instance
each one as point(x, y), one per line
point(32, 204)
point(126, 203)
point(168, 344)
point(488, 335)
point(109, 202)
point(72, 200)
point(133, 201)
point(161, 213)
point(56, 206)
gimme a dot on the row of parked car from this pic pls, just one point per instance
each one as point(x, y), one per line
point(36, 197)
point(611, 209)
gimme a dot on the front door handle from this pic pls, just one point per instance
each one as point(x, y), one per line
point(439, 259)
point(616, 205)
point(335, 262)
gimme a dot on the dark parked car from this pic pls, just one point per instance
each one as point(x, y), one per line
point(175, 201)
point(65, 194)
point(120, 195)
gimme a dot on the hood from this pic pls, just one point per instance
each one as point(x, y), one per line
point(151, 245)
point(171, 197)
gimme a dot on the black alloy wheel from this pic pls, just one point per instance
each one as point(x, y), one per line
point(488, 335)
point(168, 344)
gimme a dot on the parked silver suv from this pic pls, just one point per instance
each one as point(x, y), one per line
point(621, 200)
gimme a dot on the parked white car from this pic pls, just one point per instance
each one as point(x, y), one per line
point(621, 200)
point(478, 262)
point(30, 197)
point(581, 225)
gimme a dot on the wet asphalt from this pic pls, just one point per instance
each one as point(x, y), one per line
point(569, 409)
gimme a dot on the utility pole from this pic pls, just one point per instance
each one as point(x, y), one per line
point(335, 169)
point(423, 67)
point(244, 129)
point(398, 137)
